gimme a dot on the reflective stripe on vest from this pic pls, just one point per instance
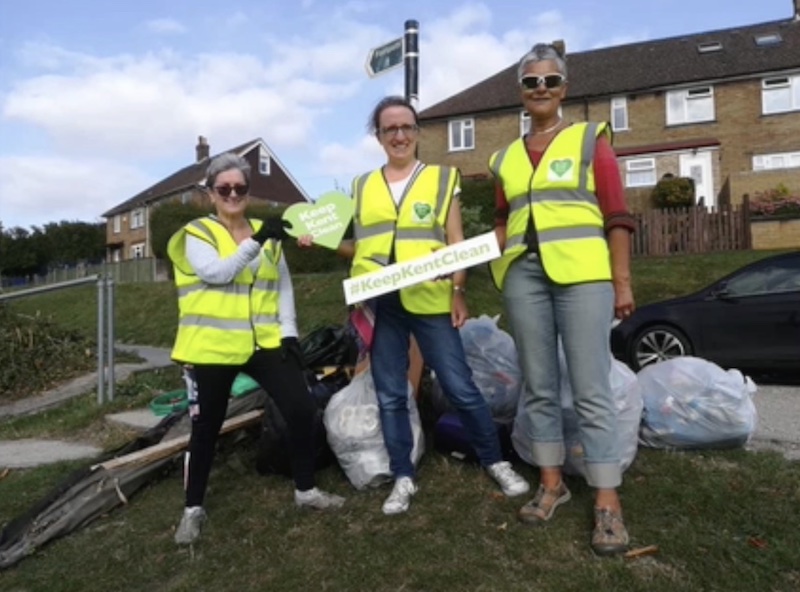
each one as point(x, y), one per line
point(413, 229)
point(222, 324)
point(560, 195)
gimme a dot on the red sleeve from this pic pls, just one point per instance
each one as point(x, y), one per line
point(500, 205)
point(608, 187)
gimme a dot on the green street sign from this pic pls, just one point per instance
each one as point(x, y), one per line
point(385, 57)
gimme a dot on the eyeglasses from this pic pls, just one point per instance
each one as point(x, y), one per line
point(225, 190)
point(550, 81)
point(392, 131)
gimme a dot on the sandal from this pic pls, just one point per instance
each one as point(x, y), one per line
point(543, 505)
point(610, 537)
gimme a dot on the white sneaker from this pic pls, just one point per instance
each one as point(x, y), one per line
point(400, 498)
point(511, 482)
point(317, 499)
point(190, 526)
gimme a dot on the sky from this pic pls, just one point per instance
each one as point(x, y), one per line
point(100, 99)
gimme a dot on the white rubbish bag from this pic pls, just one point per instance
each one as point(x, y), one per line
point(353, 426)
point(690, 403)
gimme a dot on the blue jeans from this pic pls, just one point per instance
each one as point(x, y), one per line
point(442, 350)
point(540, 311)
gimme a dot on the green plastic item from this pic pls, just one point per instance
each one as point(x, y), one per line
point(242, 385)
point(169, 402)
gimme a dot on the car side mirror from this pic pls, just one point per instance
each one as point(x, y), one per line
point(721, 291)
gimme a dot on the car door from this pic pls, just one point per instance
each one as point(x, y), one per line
point(755, 322)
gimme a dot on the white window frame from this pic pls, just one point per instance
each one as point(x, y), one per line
point(137, 218)
point(637, 166)
point(776, 160)
point(137, 251)
point(264, 163)
point(619, 106)
point(772, 86)
point(686, 96)
point(117, 224)
point(461, 134)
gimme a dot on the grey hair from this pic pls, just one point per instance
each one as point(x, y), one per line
point(227, 162)
point(542, 52)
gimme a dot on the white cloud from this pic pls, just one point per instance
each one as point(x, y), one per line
point(165, 26)
point(58, 188)
point(344, 162)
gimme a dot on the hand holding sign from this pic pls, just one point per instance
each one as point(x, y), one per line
point(326, 220)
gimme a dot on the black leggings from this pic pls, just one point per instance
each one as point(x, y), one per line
point(283, 380)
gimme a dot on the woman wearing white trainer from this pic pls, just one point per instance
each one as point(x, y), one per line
point(237, 314)
point(405, 210)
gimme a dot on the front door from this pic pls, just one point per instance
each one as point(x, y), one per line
point(698, 167)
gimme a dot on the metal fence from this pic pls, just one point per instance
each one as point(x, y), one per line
point(105, 324)
point(123, 272)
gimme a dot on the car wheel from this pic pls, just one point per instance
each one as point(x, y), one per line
point(658, 343)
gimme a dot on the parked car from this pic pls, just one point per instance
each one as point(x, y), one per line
point(750, 320)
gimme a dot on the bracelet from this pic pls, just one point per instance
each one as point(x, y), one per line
point(459, 289)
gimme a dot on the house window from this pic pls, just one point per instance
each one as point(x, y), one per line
point(780, 94)
point(767, 39)
point(264, 164)
point(640, 172)
point(690, 105)
point(117, 224)
point(524, 123)
point(137, 251)
point(619, 114)
point(778, 160)
point(462, 134)
point(137, 218)
point(709, 47)
point(186, 197)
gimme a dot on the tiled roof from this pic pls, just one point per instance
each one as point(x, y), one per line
point(638, 67)
point(185, 178)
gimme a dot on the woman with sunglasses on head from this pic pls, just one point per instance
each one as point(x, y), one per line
point(564, 230)
point(237, 314)
point(406, 210)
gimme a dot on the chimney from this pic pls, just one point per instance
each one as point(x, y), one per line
point(797, 10)
point(202, 146)
point(561, 48)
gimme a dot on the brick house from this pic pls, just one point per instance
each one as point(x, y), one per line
point(127, 224)
point(722, 107)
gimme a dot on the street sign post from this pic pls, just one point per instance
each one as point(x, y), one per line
point(385, 57)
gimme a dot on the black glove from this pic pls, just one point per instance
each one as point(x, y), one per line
point(270, 228)
point(290, 348)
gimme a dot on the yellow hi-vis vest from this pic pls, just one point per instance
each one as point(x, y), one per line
point(414, 228)
point(560, 195)
point(223, 324)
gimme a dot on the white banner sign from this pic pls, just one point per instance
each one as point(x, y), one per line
point(473, 251)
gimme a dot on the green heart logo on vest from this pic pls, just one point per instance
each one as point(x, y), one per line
point(326, 219)
point(422, 212)
point(560, 167)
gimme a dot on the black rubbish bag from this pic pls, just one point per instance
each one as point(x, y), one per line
point(273, 449)
point(330, 345)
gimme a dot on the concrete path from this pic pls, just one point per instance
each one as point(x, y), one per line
point(29, 452)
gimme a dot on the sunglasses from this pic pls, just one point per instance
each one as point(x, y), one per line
point(551, 81)
point(225, 190)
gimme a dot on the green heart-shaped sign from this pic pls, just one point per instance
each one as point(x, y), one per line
point(422, 210)
point(559, 167)
point(326, 219)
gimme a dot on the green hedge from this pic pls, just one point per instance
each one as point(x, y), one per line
point(673, 192)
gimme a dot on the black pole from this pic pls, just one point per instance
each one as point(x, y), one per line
point(411, 61)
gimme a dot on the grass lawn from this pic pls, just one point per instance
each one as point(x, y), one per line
point(721, 520)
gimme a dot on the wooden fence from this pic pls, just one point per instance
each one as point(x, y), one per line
point(692, 230)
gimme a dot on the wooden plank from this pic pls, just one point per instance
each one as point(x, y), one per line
point(170, 447)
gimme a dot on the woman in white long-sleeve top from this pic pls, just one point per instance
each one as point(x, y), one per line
point(237, 314)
